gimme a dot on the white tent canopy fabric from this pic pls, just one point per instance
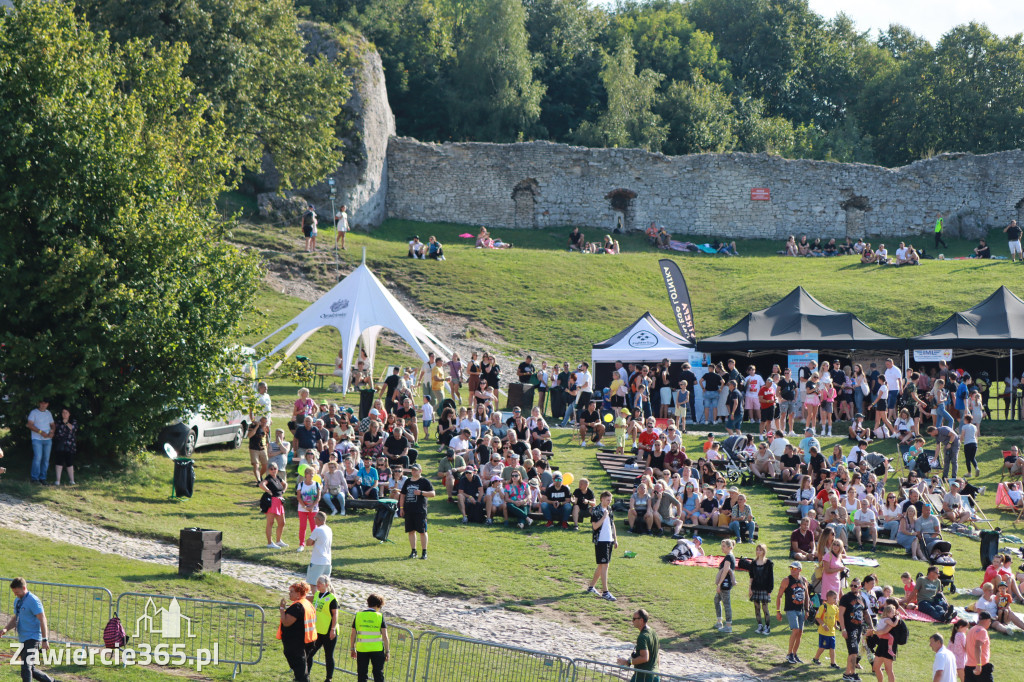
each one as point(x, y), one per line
point(645, 340)
point(359, 307)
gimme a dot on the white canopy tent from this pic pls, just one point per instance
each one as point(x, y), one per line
point(359, 307)
point(645, 340)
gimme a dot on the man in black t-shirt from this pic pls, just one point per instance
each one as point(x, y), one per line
point(691, 381)
point(855, 620)
point(391, 385)
point(582, 502)
point(412, 504)
point(396, 447)
point(470, 495)
point(407, 412)
point(590, 420)
point(556, 502)
point(307, 437)
point(526, 370)
point(1013, 233)
point(711, 384)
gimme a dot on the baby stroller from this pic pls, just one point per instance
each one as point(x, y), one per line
point(947, 570)
point(737, 469)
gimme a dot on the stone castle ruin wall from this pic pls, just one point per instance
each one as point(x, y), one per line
point(543, 184)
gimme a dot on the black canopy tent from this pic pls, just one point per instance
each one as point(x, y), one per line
point(993, 328)
point(799, 321)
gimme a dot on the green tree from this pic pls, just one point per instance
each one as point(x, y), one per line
point(564, 38)
point(629, 119)
point(246, 57)
point(119, 294)
point(493, 95)
point(700, 117)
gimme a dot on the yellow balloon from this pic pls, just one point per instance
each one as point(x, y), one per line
point(608, 418)
point(302, 469)
point(567, 478)
point(316, 478)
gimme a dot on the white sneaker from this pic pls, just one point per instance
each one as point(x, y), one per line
point(760, 629)
point(271, 545)
point(529, 521)
point(300, 548)
point(598, 444)
point(583, 443)
point(281, 545)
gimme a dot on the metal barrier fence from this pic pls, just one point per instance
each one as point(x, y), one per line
point(201, 629)
point(448, 657)
point(584, 670)
point(401, 664)
point(76, 614)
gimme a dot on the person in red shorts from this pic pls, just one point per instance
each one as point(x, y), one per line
point(768, 397)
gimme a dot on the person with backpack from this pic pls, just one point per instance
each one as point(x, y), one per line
point(796, 591)
point(309, 227)
point(890, 634)
point(605, 538)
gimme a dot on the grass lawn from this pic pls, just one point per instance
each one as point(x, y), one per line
point(544, 300)
point(540, 571)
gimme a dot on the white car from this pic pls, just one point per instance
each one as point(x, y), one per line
point(196, 431)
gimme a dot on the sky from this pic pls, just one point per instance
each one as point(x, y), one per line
point(927, 18)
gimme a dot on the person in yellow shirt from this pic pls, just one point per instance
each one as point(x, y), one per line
point(828, 614)
point(438, 379)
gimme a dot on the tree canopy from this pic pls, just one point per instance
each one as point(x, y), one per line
point(727, 75)
point(119, 294)
point(246, 57)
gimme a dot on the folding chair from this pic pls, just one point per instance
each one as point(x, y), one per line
point(1008, 466)
point(1004, 501)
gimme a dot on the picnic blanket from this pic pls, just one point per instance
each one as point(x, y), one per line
point(685, 247)
point(860, 561)
point(465, 235)
point(914, 614)
point(706, 248)
point(705, 561)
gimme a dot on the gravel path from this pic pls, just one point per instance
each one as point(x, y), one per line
point(471, 619)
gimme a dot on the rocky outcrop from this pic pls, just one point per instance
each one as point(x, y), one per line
point(361, 180)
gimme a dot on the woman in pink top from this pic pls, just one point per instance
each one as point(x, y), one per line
point(958, 645)
point(831, 567)
point(304, 407)
point(827, 395)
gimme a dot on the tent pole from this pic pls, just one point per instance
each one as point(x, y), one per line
point(906, 361)
point(1013, 394)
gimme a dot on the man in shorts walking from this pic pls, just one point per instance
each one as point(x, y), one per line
point(1013, 233)
point(412, 505)
point(605, 538)
point(794, 588)
point(855, 621)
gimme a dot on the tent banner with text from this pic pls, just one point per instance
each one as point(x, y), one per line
point(679, 298)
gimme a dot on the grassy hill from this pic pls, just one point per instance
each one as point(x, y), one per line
point(540, 298)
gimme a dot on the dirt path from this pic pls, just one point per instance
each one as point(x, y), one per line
point(474, 620)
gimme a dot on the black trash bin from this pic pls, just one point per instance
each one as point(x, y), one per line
point(199, 550)
point(382, 520)
point(184, 478)
point(989, 546)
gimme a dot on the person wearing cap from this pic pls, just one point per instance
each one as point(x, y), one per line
point(796, 592)
point(979, 667)
point(590, 421)
point(412, 506)
point(43, 426)
point(470, 494)
point(494, 498)
point(556, 503)
point(953, 505)
point(450, 470)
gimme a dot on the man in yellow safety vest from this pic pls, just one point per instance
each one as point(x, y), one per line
point(370, 644)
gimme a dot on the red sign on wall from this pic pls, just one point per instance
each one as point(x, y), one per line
point(760, 194)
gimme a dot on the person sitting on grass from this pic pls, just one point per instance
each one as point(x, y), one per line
point(801, 541)
point(583, 502)
point(417, 249)
point(790, 249)
point(494, 499)
point(576, 240)
point(983, 250)
point(708, 515)
point(556, 502)
point(517, 500)
point(742, 520)
point(639, 502)
point(471, 494)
